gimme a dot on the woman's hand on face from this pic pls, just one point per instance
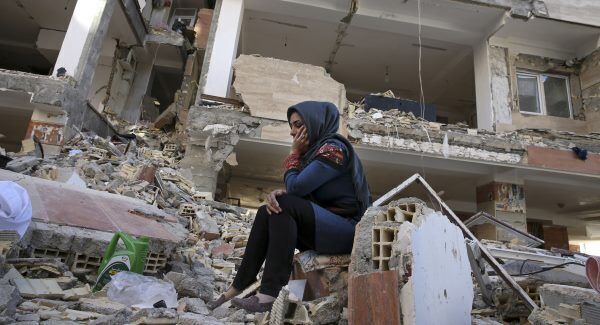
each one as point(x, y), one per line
point(300, 141)
point(272, 204)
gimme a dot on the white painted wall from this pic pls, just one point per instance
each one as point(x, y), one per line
point(224, 50)
point(483, 91)
point(440, 290)
point(591, 247)
point(80, 26)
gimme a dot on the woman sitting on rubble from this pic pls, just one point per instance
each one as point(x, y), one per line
point(326, 195)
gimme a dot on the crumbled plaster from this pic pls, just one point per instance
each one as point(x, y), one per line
point(163, 36)
point(518, 8)
point(501, 91)
point(44, 89)
point(591, 94)
point(437, 148)
point(213, 133)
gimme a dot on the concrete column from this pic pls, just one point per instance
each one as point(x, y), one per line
point(79, 55)
point(86, 22)
point(222, 49)
point(506, 202)
point(483, 90)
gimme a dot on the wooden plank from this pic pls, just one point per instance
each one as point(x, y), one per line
point(373, 298)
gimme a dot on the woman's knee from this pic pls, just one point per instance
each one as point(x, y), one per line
point(261, 215)
point(287, 202)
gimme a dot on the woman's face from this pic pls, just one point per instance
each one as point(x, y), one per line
point(295, 123)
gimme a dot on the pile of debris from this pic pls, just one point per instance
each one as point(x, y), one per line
point(394, 267)
point(141, 167)
point(394, 128)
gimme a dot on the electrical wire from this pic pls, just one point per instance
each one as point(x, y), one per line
point(422, 95)
point(544, 269)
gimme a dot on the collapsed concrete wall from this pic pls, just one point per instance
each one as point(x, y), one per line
point(212, 133)
point(269, 86)
point(394, 241)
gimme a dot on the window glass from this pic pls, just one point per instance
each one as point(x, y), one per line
point(528, 93)
point(557, 96)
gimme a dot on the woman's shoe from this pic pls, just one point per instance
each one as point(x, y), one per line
point(251, 304)
point(216, 303)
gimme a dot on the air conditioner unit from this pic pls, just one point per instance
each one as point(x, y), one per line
point(128, 60)
point(186, 15)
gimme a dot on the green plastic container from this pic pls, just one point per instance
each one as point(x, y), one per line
point(132, 259)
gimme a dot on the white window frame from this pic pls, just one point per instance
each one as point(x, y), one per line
point(542, 94)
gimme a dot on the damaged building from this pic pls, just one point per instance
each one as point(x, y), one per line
point(167, 120)
point(510, 89)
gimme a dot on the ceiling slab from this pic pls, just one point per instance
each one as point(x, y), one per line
point(366, 55)
point(259, 171)
point(547, 37)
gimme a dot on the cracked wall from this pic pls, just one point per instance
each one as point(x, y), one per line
point(590, 85)
point(504, 65)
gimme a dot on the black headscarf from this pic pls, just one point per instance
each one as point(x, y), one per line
point(322, 121)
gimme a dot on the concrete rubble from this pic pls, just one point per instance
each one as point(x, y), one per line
point(390, 266)
point(405, 131)
point(163, 184)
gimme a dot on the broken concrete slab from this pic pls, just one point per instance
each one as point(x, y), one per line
point(27, 318)
point(188, 286)
point(193, 305)
point(197, 319)
point(23, 163)
point(9, 299)
point(77, 315)
point(121, 317)
point(39, 288)
point(269, 86)
point(553, 295)
point(155, 316)
point(100, 305)
point(325, 311)
point(92, 209)
point(44, 89)
point(166, 118)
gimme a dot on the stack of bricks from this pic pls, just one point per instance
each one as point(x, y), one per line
point(85, 264)
point(385, 231)
point(155, 262)
point(50, 253)
point(187, 209)
point(128, 171)
point(375, 278)
point(97, 153)
point(383, 238)
point(169, 149)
